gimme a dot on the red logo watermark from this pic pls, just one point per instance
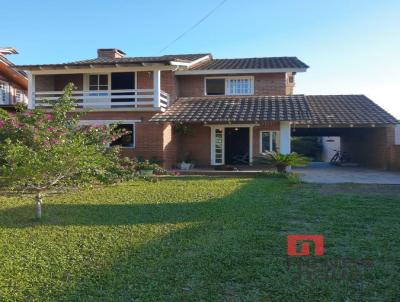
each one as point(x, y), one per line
point(304, 242)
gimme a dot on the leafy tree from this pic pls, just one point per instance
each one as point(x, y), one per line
point(45, 151)
point(310, 146)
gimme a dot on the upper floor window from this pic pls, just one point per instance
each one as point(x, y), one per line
point(229, 86)
point(98, 82)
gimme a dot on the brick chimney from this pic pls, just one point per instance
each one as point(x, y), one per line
point(112, 53)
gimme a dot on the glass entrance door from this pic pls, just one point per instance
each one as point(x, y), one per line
point(217, 146)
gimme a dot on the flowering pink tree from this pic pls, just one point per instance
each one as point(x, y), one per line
point(44, 151)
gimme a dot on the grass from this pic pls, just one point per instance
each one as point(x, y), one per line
point(202, 239)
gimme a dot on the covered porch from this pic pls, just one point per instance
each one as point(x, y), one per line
point(106, 88)
point(231, 131)
point(238, 144)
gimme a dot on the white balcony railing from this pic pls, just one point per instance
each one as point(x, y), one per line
point(104, 99)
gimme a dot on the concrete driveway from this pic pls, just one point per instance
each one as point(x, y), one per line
point(326, 173)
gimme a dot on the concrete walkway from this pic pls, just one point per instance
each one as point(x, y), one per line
point(325, 173)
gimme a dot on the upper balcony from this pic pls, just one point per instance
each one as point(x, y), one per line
point(128, 90)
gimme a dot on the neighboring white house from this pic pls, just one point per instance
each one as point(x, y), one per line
point(330, 144)
point(397, 135)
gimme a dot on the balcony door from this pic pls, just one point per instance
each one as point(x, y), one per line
point(122, 81)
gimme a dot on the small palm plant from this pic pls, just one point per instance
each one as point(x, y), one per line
point(281, 161)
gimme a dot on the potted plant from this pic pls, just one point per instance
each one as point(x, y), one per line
point(281, 161)
point(145, 168)
point(187, 162)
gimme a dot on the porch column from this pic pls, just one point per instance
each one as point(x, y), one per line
point(284, 145)
point(31, 90)
point(157, 87)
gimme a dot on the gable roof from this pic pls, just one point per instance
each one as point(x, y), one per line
point(346, 109)
point(247, 65)
point(164, 60)
point(236, 109)
point(323, 110)
point(202, 63)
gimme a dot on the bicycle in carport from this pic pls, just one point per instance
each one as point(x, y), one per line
point(339, 158)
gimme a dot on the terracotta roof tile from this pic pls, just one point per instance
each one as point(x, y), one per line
point(346, 109)
point(252, 63)
point(313, 110)
point(236, 109)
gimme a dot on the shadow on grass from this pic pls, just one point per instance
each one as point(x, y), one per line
point(215, 258)
point(128, 214)
point(103, 214)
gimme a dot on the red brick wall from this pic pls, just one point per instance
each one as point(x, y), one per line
point(197, 144)
point(270, 84)
point(149, 137)
point(370, 147)
point(264, 84)
point(168, 82)
point(395, 157)
point(192, 85)
point(170, 145)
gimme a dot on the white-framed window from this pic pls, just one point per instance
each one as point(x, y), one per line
point(20, 96)
point(243, 85)
point(98, 82)
point(126, 141)
point(269, 141)
point(219, 146)
point(4, 93)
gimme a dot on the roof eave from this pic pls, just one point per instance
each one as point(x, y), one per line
point(90, 65)
point(15, 76)
point(239, 71)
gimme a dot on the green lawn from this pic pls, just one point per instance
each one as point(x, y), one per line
point(199, 239)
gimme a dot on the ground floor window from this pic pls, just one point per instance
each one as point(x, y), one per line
point(128, 140)
point(19, 96)
point(4, 93)
point(268, 141)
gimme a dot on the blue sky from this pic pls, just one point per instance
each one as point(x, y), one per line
point(351, 46)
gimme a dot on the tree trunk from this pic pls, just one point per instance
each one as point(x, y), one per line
point(39, 205)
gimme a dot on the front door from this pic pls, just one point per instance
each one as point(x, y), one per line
point(237, 146)
point(230, 145)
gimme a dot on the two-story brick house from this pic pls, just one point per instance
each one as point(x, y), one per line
point(234, 108)
point(13, 83)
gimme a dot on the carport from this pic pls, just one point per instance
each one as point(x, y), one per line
point(366, 131)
